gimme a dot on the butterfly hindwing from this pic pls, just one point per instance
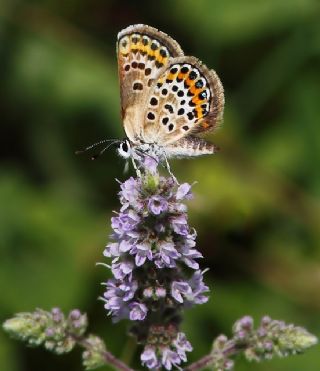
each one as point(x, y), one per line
point(186, 98)
point(143, 52)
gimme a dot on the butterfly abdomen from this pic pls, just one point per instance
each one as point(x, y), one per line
point(191, 146)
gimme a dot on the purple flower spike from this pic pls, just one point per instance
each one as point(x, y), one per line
point(151, 252)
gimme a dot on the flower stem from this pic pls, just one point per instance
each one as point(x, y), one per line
point(200, 364)
point(209, 359)
point(129, 350)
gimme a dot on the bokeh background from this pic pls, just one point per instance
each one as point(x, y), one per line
point(257, 206)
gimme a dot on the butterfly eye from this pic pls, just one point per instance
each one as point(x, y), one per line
point(125, 146)
point(124, 149)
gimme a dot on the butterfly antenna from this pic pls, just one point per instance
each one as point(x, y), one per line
point(94, 157)
point(95, 145)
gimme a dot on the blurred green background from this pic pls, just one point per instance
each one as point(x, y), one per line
point(257, 206)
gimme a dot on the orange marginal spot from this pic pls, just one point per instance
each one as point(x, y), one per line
point(132, 45)
point(157, 55)
point(194, 90)
point(144, 48)
point(125, 50)
point(190, 82)
point(140, 46)
point(171, 76)
point(199, 112)
point(163, 60)
point(186, 82)
point(195, 100)
point(205, 125)
point(150, 51)
point(147, 49)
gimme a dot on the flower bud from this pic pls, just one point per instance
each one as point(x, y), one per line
point(295, 339)
point(93, 356)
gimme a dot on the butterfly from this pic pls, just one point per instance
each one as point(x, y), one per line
point(167, 98)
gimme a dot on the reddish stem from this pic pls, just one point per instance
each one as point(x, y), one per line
point(208, 359)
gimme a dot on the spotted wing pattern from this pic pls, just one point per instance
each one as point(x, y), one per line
point(143, 52)
point(186, 99)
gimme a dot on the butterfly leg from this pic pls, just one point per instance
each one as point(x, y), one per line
point(138, 172)
point(167, 165)
point(126, 167)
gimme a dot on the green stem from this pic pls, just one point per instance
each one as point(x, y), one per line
point(129, 350)
point(209, 359)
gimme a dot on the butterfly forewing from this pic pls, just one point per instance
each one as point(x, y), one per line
point(143, 52)
point(185, 99)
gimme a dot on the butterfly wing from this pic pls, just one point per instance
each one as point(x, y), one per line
point(186, 99)
point(143, 52)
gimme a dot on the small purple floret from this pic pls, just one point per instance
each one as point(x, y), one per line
point(138, 311)
point(179, 290)
point(149, 358)
point(157, 205)
point(184, 191)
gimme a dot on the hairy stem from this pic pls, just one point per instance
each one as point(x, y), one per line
point(200, 364)
point(209, 359)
